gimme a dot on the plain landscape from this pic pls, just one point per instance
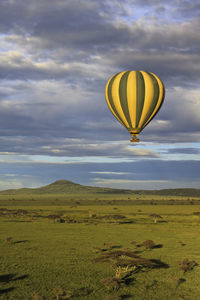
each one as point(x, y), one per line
point(68, 241)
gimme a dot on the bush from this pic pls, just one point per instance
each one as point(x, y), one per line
point(148, 244)
point(9, 239)
point(22, 211)
point(196, 213)
point(155, 217)
point(112, 283)
point(187, 265)
point(53, 217)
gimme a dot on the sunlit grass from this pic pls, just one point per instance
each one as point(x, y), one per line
point(41, 256)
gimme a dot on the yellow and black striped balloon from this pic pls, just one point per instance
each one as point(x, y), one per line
point(134, 98)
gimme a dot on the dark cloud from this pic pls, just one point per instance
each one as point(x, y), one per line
point(64, 32)
point(52, 115)
point(71, 147)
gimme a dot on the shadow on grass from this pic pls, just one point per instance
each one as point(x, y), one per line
point(158, 246)
point(116, 247)
point(138, 251)
point(17, 221)
point(22, 241)
point(5, 291)
point(128, 296)
point(11, 277)
point(128, 279)
point(158, 264)
point(83, 291)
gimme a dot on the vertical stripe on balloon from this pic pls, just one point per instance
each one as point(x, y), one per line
point(132, 97)
point(161, 95)
point(123, 97)
point(154, 99)
point(116, 98)
point(141, 94)
point(110, 101)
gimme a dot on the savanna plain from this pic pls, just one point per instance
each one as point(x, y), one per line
point(99, 246)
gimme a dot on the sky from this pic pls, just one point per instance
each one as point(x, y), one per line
point(56, 57)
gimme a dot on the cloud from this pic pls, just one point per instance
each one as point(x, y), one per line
point(109, 173)
point(10, 184)
point(74, 39)
point(188, 9)
point(140, 174)
point(62, 54)
point(130, 184)
point(65, 147)
point(54, 117)
point(187, 151)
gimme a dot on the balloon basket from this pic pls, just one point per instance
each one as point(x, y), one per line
point(134, 140)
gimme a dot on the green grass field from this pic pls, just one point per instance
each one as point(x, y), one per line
point(51, 250)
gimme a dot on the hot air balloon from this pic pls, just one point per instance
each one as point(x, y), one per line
point(134, 98)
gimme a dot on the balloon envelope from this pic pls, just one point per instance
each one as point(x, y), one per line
point(134, 98)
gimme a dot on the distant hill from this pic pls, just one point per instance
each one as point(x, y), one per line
point(187, 192)
point(63, 187)
point(68, 187)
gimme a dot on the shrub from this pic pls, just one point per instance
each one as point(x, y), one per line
point(4, 209)
point(81, 292)
point(91, 213)
point(36, 296)
point(181, 243)
point(9, 239)
point(187, 265)
point(22, 211)
point(53, 217)
point(178, 281)
point(196, 213)
point(106, 247)
point(148, 244)
point(61, 220)
point(98, 249)
point(155, 217)
point(112, 283)
point(133, 243)
point(123, 259)
point(61, 294)
point(119, 271)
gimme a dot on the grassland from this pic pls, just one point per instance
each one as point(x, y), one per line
point(79, 246)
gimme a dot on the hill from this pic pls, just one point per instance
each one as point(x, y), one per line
point(69, 187)
point(63, 187)
point(185, 192)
